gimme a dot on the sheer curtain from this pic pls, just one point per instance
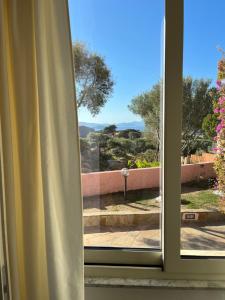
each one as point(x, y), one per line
point(42, 204)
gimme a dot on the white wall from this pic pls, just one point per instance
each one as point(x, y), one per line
point(94, 293)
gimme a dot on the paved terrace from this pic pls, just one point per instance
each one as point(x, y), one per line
point(208, 237)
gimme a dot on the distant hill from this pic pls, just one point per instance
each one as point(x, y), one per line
point(84, 130)
point(95, 126)
point(138, 125)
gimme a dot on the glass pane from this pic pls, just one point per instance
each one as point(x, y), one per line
point(117, 59)
point(202, 154)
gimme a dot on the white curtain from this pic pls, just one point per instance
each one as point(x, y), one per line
point(40, 152)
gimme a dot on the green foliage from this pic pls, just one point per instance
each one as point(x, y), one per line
point(99, 150)
point(129, 146)
point(120, 148)
point(113, 143)
point(196, 145)
point(138, 163)
point(197, 104)
point(98, 139)
point(147, 106)
point(103, 160)
point(146, 159)
point(84, 145)
point(149, 155)
point(141, 145)
point(209, 125)
point(93, 78)
point(211, 120)
point(111, 129)
point(94, 156)
point(129, 134)
point(142, 163)
point(155, 164)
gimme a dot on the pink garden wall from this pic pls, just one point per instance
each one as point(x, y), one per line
point(99, 183)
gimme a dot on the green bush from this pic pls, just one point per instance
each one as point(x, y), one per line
point(138, 163)
point(129, 134)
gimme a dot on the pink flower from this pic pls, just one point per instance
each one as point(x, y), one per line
point(217, 150)
point(221, 100)
point(218, 82)
point(218, 85)
point(222, 110)
point(219, 127)
point(214, 149)
point(216, 110)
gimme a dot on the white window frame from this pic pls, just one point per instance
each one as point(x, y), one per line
point(168, 263)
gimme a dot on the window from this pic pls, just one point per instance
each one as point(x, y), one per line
point(118, 73)
point(107, 154)
point(203, 222)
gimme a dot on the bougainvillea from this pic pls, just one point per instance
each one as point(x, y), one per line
point(219, 110)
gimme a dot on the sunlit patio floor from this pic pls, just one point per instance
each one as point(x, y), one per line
point(196, 237)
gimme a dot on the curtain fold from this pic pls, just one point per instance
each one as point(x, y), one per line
point(40, 151)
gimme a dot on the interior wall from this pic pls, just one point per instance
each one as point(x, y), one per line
point(96, 293)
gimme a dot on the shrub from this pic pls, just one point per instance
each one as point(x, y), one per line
point(129, 134)
point(138, 163)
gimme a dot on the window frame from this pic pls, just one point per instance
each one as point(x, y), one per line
point(168, 264)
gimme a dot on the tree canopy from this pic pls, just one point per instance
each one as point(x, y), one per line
point(211, 120)
point(129, 133)
point(93, 78)
point(147, 106)
point(110, 129)
point(197, 104)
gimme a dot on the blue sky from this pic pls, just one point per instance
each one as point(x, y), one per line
point(128, 33)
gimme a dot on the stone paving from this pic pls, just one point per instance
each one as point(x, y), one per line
point(196, 237)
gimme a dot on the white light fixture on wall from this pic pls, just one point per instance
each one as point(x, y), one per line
point(125, 174)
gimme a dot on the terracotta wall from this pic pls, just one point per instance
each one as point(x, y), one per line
point(99, 183)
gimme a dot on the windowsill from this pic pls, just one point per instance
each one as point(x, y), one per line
point(154, 283)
